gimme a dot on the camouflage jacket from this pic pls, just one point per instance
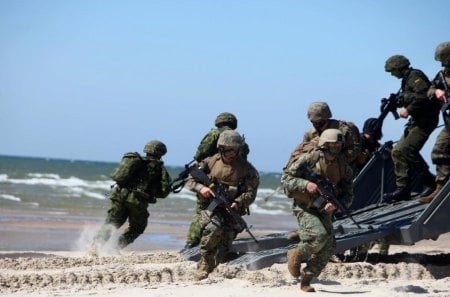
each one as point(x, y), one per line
point(144, 178)
point(337, 171)
point(414, 97)
point(240, 178)
point(352, 139)
point(208, 145)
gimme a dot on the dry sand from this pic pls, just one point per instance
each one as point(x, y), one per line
point(166, 273)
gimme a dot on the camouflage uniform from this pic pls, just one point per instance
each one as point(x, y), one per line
point(320, 111)
point(242, 181)
point(424, 117)
point(440, 155)
point(317, 241)
point(139, 181)
point(207, 148)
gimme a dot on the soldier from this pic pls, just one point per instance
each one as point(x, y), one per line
point(228, 168)
point(317, 241)
point(207, 148)
point(139, 181)
point(440, 155)
point(319, 114)
point(424, 117)
point(370, 138)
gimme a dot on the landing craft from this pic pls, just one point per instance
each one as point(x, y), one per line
point(399, 223)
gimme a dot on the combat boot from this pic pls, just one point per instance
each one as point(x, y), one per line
point(429, 184)
point(294, 262)
point(427, 199)
point(398, 195)
point(205, 267)
point(305, 284)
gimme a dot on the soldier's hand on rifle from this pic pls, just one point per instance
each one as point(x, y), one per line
point(311, 187)
point(234, 205)
point(206, 192)
point(440, 95)
point(403, 113)
point(329, 207)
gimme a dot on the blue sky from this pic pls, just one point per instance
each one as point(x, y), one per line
point(92, 79)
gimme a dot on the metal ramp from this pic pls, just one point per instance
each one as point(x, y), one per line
point(402, 223)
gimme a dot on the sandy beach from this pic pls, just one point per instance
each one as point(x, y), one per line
point(152, 266)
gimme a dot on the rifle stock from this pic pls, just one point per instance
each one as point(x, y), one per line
point(220, 199)
point(177, 184)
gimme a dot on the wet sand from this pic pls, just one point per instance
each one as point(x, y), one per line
point(45, 255)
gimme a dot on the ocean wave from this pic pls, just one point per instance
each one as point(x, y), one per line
point(10, 197)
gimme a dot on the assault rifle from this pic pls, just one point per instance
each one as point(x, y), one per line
point(389, 105)
point(328, 192)
point(177, 184)
point(220, 199)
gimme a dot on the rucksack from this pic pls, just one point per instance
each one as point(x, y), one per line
point(301, 148)
point(130, 165)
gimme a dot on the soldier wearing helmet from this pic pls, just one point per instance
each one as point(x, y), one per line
point(208, 147)
point(319, 114)
point(317, 241)
point(440, 90)
point(241, 180)
point(139, 181)
point(370, 137)
point(423, 115)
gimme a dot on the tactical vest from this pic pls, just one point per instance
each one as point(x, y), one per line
point(334, 171)
point(231, 176)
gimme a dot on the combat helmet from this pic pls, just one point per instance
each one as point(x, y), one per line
point(229, 138)
point(155, 148)
point(330, 135)
point(442, 52)
point(396, 62)
point(319, 111)
point(371, 126)
point(226, 119)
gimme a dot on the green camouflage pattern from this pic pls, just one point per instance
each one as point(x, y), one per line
point(317, 240)
point(155, 148)
point(130, 201)
point(442, 51)
point(207, 148)
point(396, 62)
point(423, 111)
point(424, 117)
point(352, 139)
point(319, 111)
point(208, 145)
point(440, 155)
point(217, 227)
point(406, 155)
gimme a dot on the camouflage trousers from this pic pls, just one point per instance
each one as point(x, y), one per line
point(119, 212)
point(440, 155)
point(406, 155)
point(217, 235)
point(195, 230)
point(317, 242)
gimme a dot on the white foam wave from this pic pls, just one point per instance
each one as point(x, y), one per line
point(10, 197)
point(71, 186)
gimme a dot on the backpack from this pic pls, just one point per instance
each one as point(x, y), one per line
point(130, 165)
point(301, 148)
